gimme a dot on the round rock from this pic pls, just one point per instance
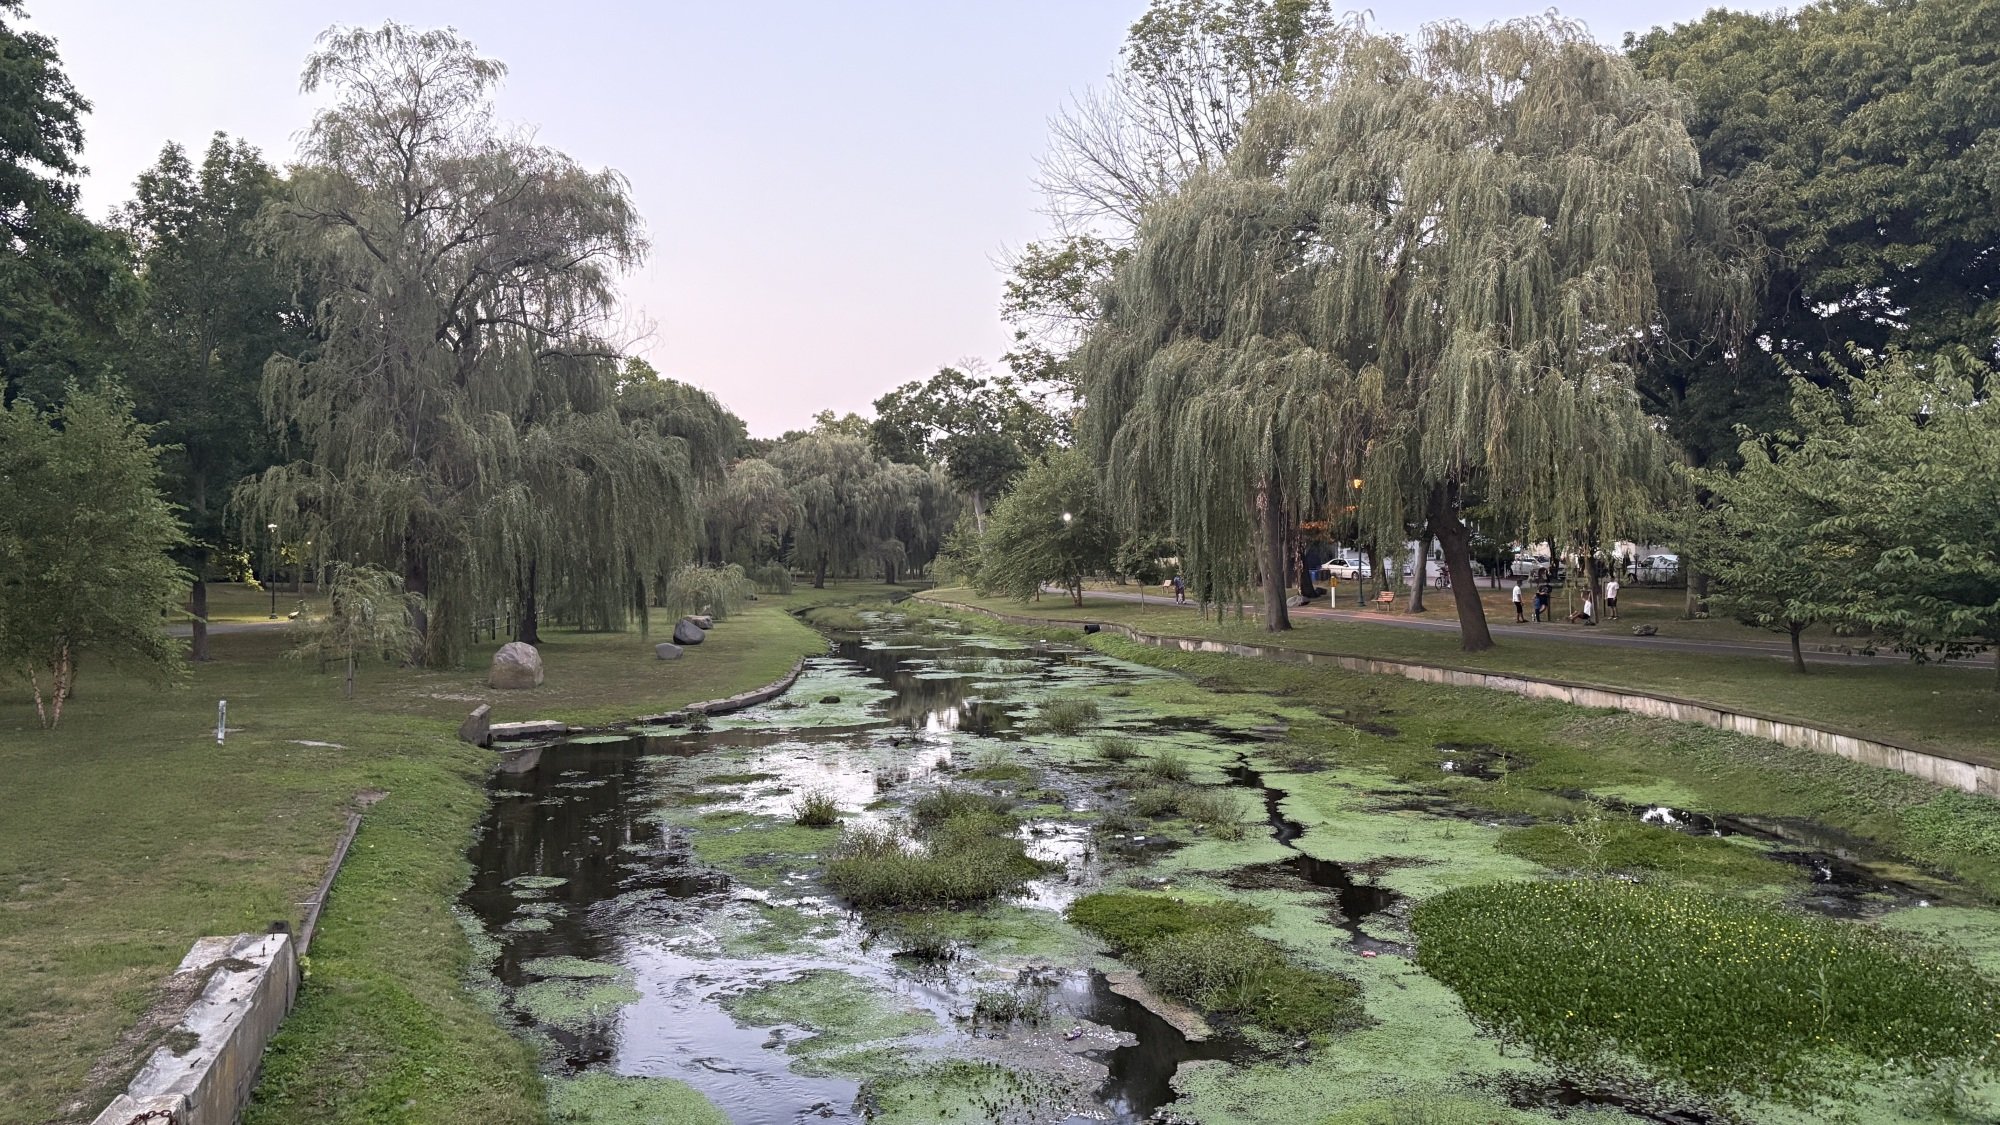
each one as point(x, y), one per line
point(686, 632)
point(516, 666)
point(667, 651)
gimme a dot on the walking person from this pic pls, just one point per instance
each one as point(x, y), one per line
point(1542, 594)
point(1611, 600)
point(1180, 590)
point(1519, 614)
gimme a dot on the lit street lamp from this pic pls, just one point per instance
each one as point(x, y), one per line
point(271, 565)
point(1067, 517)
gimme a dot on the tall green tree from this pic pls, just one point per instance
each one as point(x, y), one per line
point(85, 542)
point(1055, 527)
point(63, 280)
point(827, 472)
point(981, 431)
point(466, 288)
point(213, 309)
point(1857, 142)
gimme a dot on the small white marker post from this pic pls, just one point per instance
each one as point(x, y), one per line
point(221, 719)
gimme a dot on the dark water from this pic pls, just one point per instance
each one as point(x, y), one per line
point(607, 819)
point(1354, 898)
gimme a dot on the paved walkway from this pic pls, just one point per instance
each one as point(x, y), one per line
point(216, 627)
point(1444, 619)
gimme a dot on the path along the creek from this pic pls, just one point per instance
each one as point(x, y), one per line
point(1612, 633)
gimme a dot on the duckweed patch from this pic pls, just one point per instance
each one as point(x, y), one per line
point(1722, 997)
point(963, 1092)
point(605, 1099)
point(839, 1009)
point(575, 1003)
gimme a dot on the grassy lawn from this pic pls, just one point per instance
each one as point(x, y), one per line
point(1952, 708)
point(128, 833)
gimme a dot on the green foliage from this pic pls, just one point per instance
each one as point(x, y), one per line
point(816, 809)
point(749, 516)
point(840, 618)
point(981, 430)
point(1156, 801)
point(1722, 997)
point(1007, 1006)
point(608, 1099)
point(1854, 141)
point(1067, 715)
point(1626, 845)
point(1115, 747)
point(1203, 953)
point(772, 578)
point(853, 507)
point(717, 591)
point(369, 614)
point(84, 542)
point(969, 854)
point(1167, 765)
point(1054, 527)
point(1953, 823)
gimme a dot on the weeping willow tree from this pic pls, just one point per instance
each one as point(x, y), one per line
point(1433, 276)
point(827, 473)
point(454, 418)
point(1503, 218)
point(748, 517)
point(1208, 400)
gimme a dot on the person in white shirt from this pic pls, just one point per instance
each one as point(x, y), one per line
point(1611, 599)
point(1585, 614)
point(1518, 615)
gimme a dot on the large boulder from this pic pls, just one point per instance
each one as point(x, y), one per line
point(702, 621)
point(515, 667)
point(686, 632)
point(667, 652)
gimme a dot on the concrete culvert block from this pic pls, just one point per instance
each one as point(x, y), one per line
point(477, 726)
point(686, 632)
point(667, 651)
point(516, 666)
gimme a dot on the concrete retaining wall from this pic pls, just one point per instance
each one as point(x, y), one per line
point(747, 699)
point(205, 1071)
point(1940, 767)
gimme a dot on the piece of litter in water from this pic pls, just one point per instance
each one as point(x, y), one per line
point(1073, 1033)
point(1368, 953)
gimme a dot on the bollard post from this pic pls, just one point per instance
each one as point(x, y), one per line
point(221, 719)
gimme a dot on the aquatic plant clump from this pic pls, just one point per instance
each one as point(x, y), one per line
point(1205, 954)
point(1068, 715)
point(965, 851)
point(1720, 996)
point(1115, 748)
point(816, 809)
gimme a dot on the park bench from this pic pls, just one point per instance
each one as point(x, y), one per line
point(1386, 597)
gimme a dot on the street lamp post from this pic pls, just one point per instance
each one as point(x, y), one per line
point(271, 565)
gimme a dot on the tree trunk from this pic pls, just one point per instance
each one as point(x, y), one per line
point(198, 609)
point(1798, 656)
point(347, 688)
point(819, 574)
point(528, 620)
point(979, 512)
point(1420, 572)
point(1276, 616)
point(888, 573)
point(1697, 593)
point(1456, 540)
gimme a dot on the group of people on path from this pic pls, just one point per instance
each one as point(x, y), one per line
point(1587, 615)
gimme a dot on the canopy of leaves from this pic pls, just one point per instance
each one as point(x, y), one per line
point(84, 542)
point(62, 279)
point(1053, 528)
point(1858, 140)
point(369, 615)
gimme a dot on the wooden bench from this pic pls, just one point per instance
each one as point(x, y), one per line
point(1386, 597)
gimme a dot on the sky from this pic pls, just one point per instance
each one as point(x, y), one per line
point(831, 188)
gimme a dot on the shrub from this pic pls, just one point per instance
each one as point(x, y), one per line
point(1714, 994)
point(1067, 716)
point(714, 590)
point(816, 809)
point(994, 764)
point(940, 805)
point(1167, 765)
point(1216, 810)
point(1205, 954)
point(1007, 1006)
point(1115, 747)
point(839, 618)
point(772, 578)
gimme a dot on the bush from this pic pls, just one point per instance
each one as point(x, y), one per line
point(940, 805)
point(1216, 810)
point(714, 590)
point(772, 578)
point(994, 764)
point(1716, 995)
point(1115, 748)
point(1205, 954)
point(839, 618)
point(1067, 716)
point(1010, 1006)
point(816, 809)
point(1167, 765)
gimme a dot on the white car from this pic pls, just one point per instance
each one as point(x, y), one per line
point(1347, 570)
point(1524, 566)
point(1659, 568)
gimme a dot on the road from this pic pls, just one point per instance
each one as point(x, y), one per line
point(1611, 633)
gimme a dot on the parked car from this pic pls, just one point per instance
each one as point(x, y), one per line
point(1659, 568)
point(1347, 569)
point(1524, 566)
